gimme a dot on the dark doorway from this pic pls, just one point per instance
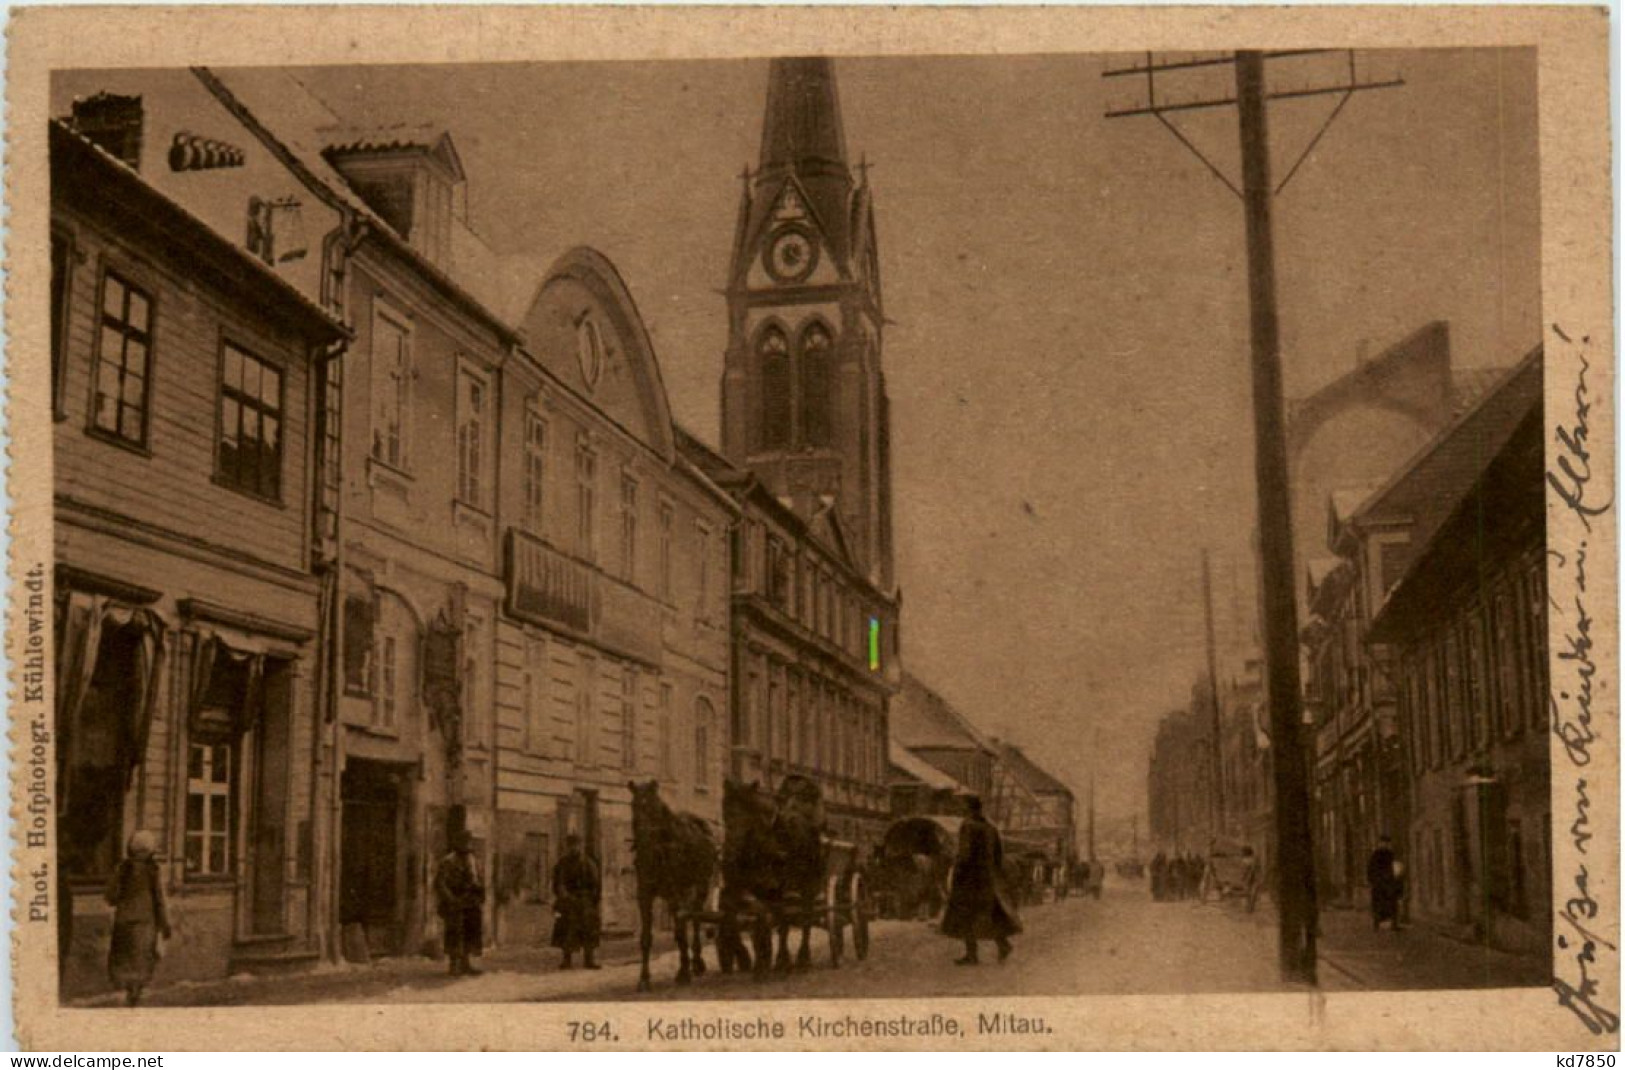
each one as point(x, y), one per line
point(370, 871)
point(270, 805)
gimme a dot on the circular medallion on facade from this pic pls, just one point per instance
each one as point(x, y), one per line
point(589, 350)
point(792, 255)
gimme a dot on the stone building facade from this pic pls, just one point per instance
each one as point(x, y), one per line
point(613, 632)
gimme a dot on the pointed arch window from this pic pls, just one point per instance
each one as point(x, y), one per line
point(815, 385)
point(773, 353)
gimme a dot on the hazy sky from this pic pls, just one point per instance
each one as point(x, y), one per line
point(1067, 357)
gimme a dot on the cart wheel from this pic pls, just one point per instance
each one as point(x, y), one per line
point(860, 917)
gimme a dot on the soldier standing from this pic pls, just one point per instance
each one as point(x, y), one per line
point(977, 906)
point(576, 892)
point(461, 898)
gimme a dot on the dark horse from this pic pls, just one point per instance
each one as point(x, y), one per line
point(675, 856)
point(772, 867)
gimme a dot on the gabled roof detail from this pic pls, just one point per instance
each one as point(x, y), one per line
point(921, 719)
point(1424, 489)
point(1029, 773)
point(826, 525)
point(248, 92)
point(346, 139)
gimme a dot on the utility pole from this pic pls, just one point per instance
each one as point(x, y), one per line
point(1213, 698)
point(1294, 868)
point(1294, 851)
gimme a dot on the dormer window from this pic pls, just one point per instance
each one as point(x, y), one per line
point(408, 177)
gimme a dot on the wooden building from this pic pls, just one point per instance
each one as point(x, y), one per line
point(188, 611)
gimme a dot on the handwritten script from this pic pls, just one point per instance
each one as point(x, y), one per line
point(1578, 966)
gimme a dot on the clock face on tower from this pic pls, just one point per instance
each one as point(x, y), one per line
point(791, 255)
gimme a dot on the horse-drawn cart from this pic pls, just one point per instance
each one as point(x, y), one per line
point(777, 870)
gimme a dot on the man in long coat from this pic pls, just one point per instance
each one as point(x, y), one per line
point(576, 896)
point(1382, 874)
point(977, 906)
point(460, 896)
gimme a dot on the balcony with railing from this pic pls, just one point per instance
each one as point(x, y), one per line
point(546, 586)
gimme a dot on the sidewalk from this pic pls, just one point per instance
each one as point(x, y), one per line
point(1419, 957)
point(1353, 955)
point(413, 976)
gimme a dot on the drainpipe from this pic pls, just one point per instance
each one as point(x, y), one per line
point(355, 233)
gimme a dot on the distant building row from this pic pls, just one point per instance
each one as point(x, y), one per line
point(1424, 643)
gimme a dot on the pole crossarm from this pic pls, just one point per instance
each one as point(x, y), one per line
point(1348, 89)
point(1215, 61)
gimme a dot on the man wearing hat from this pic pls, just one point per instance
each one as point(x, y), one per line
point(576, 892)
point(461, 898)
point(978, 908)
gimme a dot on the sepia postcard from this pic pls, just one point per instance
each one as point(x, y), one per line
point(812, 528)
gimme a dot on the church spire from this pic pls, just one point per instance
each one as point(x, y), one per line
point(803, 398)
point(802, 129)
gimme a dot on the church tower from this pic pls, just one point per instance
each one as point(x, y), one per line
point(803, 398)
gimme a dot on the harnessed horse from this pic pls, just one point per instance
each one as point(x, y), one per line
point(675, 856)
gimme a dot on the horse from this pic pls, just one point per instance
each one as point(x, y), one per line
point(798, 828)
point(750, 867)
point(675, 856)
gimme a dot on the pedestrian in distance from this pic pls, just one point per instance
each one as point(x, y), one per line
point(1382, 875)
point(140, 918)
point(576, 897)
point(978, 907)
point(1159, 877)
point(460, 896)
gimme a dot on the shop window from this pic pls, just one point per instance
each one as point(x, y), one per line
point(95, 761)
point(210, 780)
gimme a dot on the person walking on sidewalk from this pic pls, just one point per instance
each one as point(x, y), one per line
point(977, 906)
point(460, 893)
point(576, 892)
point(1382, 874)
point(140, 917)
